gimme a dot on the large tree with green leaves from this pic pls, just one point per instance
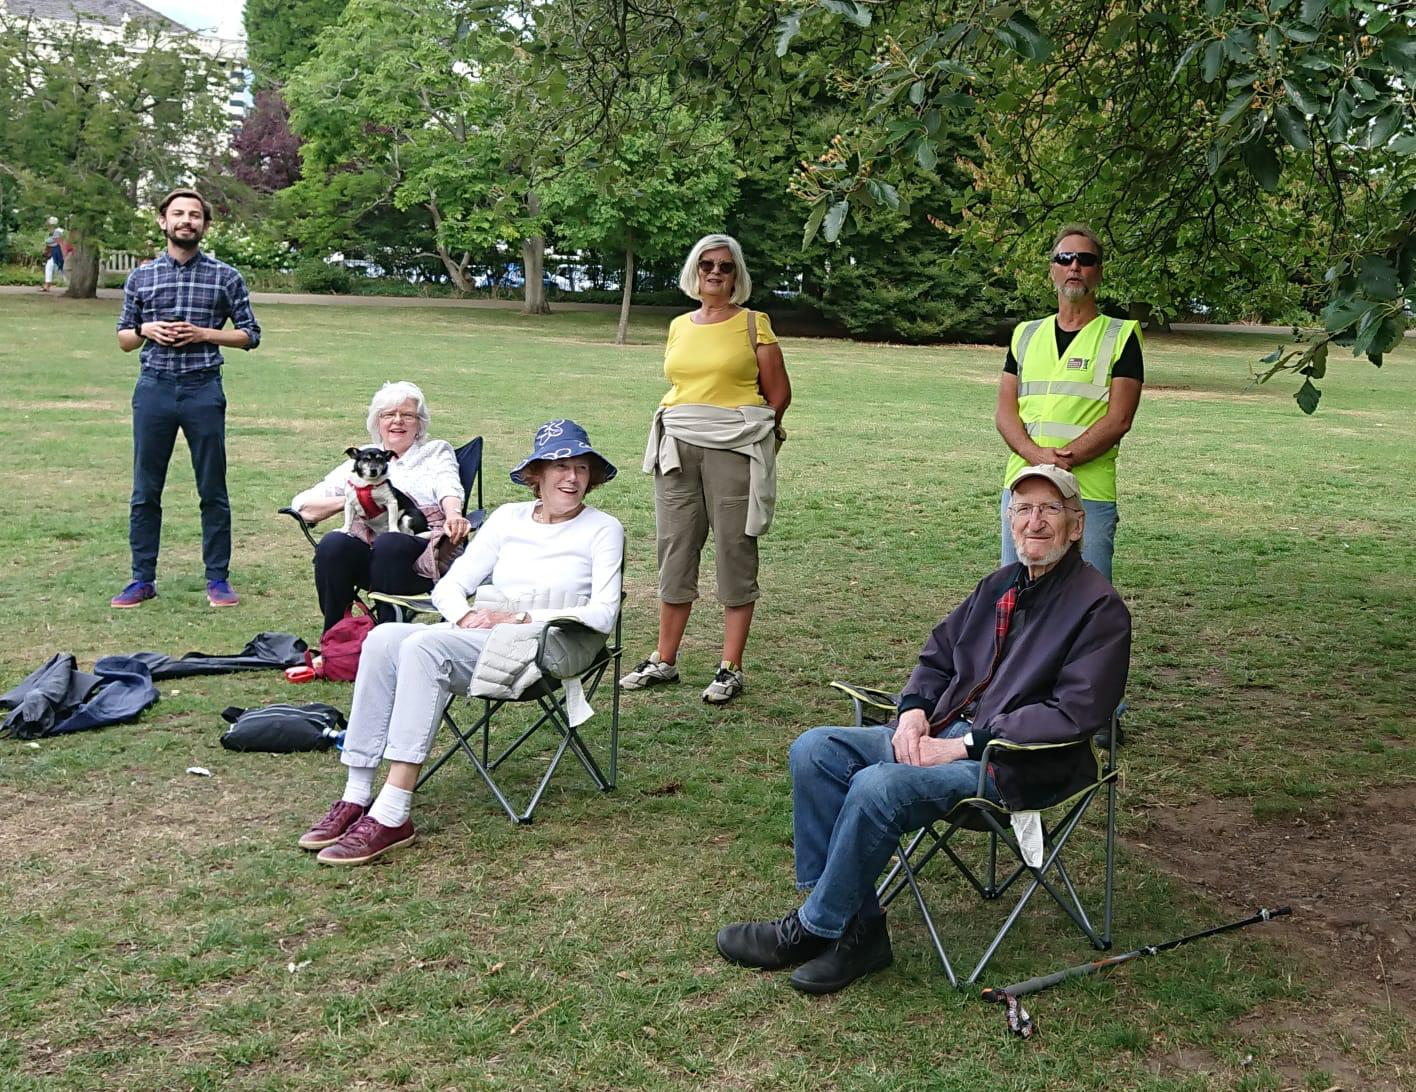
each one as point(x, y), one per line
point(393, 113)
point(92, 128)
point(664, 183)
point(1269, 141)
point(281, 35)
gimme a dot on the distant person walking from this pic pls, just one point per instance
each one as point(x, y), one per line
point(1071, 385)
point(176, 308)
point(53, 253)
point(713, 452)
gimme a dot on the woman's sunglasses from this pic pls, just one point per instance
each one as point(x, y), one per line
point(725, 268)
point(1083, 258)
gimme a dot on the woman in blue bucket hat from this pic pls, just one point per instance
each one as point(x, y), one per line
point(550, 557)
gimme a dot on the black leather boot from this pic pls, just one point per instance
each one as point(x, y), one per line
point(770, 944)
point(863, 947)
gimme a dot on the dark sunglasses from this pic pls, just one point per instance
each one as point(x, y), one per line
point(1084, 258)
point(725, 268)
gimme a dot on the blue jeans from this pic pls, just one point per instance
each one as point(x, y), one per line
point(851, 804)
point(195, 403)
point(1098, 533)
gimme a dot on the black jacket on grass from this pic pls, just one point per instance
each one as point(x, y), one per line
point(1059, 676)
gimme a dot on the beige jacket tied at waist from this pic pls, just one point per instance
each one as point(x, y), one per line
point(748, 430)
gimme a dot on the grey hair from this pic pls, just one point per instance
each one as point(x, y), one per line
point(395, 394)
point(688, 276)
point(1085, 232)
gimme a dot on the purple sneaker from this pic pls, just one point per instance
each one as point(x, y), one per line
point(135, 594)
point(219, 594)
point(340, 817)
point(366, 840)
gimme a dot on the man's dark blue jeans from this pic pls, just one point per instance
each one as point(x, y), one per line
point(196, 404)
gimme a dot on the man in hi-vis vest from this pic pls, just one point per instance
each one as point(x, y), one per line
point(1070, 388)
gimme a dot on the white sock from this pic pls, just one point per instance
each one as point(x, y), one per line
point(359, 789)
point(393, 805)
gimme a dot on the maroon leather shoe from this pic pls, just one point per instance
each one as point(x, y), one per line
point(341, 816)
point(365, 840)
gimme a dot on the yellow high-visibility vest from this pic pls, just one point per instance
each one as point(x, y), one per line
point(1059, 398)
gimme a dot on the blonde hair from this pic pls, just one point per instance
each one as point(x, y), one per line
point(688, 276)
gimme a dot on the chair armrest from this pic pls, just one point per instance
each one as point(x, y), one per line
point(305, 527)
point(583, 642)
point(1005, 749)
point(865, 698)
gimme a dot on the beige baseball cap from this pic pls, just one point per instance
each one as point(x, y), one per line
point(1063, 479)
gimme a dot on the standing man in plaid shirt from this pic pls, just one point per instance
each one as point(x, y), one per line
point(1037, 654)
point(176, 308)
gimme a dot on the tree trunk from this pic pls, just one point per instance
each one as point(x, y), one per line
point(81, 271)
point(628, 291)
point(533, 264)
point(456, 271)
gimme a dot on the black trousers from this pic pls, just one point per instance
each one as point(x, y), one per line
point(195, 403)
point(343, 564)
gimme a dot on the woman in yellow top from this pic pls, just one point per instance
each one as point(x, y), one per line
point(713, 453)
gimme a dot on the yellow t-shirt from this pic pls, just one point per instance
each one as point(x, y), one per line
point(713, 365)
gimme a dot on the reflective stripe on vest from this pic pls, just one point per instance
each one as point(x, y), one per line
point(1023, 339)
point(1094, 391)
point(1059, 429)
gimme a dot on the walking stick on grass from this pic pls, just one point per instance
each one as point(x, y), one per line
point(1020, 1023)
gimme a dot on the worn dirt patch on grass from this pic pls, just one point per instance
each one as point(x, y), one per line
point(1347, 877)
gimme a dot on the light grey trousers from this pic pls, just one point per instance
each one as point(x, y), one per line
point(407, 675)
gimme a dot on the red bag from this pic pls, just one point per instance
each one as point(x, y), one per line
point(341, 644)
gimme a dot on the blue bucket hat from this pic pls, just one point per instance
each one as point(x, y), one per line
point(560, 439)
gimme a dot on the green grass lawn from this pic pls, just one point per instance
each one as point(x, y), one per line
point(162, 930)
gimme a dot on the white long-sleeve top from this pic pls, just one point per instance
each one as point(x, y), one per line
point(427, 472)
point(581, 557)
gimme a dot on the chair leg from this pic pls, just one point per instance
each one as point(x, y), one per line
point(904, 866)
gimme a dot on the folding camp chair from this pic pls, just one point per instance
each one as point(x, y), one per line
point(469, 472)
point(548, 697)
point(977, 813)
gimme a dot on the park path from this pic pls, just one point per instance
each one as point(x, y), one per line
point(304, 298)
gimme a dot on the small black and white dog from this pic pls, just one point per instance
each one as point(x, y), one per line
point(375, 501)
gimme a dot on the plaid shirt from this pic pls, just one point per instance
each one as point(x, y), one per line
point(203, 291)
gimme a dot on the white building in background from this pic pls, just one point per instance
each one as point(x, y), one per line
point(104, 19)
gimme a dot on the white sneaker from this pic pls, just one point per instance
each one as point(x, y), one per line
point(726, 685)
point(650, 672)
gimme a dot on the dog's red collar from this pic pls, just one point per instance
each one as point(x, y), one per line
point(365, 493)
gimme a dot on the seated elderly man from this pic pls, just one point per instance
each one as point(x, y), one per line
point(1037, 654)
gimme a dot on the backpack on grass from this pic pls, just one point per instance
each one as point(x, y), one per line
point(282, 729)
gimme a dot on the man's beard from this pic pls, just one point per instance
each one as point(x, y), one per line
point(190, 243)
point(1052, 557)
point(1075, 292)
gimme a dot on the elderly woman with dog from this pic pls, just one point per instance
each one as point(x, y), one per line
point(549, 558)
point(393, 562)
point(712, 450)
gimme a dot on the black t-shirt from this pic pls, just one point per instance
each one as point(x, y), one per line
point(1129, 366)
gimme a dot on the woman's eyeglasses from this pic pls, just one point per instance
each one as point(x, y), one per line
point(1083, 258)
point(398, 415)
point(725, 268)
